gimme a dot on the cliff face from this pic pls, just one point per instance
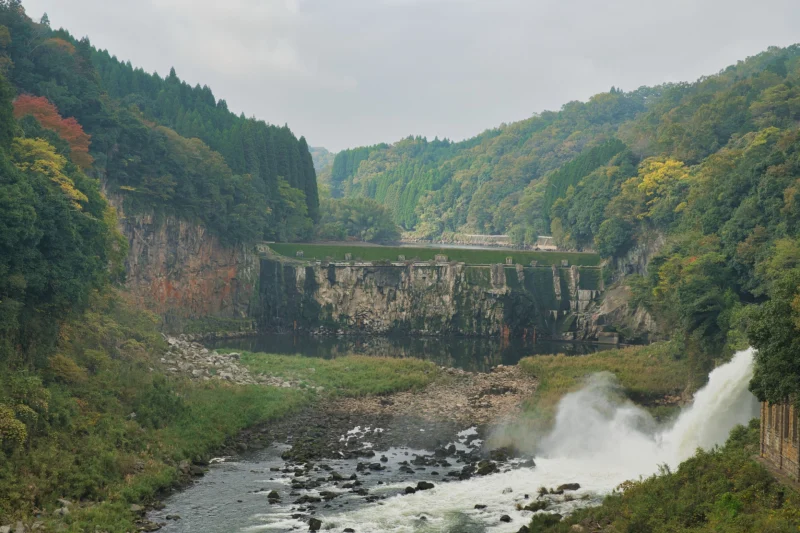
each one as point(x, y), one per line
point(428, 298)
point(178, 270)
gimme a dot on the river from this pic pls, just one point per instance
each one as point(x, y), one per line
point(467, 353)
point(599, 440)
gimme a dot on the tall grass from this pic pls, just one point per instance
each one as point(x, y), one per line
point(646, 373)
point(352, 375)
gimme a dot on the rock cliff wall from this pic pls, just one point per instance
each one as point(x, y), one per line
point(429, 298)
point(178, 270)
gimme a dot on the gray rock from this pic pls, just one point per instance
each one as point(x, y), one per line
point(5, 529)
point(314, 524)
point(136, 508)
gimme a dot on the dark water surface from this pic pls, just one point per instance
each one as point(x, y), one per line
point(467, 353)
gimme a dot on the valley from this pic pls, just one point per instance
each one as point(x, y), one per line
point(569, 323)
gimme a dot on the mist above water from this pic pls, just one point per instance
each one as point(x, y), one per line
point(597, 423)
point(599, 440)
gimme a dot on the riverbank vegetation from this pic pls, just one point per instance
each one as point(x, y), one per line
point(337, 252)
point(655, 376)
point(716, 490)
point(102, 425)
point(352, 375)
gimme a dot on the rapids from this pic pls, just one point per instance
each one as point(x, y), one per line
point(599, 440)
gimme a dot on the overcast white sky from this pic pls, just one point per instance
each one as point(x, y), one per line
point(352, 72)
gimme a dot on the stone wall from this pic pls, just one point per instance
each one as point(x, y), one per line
point(780, 438)
point(428, 298)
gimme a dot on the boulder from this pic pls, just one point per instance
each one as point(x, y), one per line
point(505, 518)
point(424, 485)
point(568, 486)
point(314, 524)
point(410, 490)
point(485, 468)
point(138, 509)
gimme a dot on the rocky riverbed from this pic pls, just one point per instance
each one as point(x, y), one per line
point(344, 453)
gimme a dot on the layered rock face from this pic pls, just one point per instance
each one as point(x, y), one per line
point(178, 270)
point(428, 298)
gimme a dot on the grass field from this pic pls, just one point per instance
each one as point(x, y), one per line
point(644, 373)
point(352, 375)
point(470, 256)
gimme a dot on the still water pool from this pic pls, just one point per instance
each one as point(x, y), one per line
point(467, 353)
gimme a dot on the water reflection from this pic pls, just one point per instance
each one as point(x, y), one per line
point(475, 354)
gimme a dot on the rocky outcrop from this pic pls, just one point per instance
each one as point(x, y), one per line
point(427, 298)
point(181, 272)
point(636, 260)
point(633, 323)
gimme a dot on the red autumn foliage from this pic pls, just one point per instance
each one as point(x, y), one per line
point(68, 129)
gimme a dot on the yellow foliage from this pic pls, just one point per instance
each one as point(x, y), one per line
point(38, 155)
point(658, 176)
point(12, 432)
point(67, 370)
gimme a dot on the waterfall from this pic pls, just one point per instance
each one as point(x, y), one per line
point(596, 423)
point(599, 440)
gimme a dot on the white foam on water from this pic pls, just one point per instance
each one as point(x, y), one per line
point(598, 440)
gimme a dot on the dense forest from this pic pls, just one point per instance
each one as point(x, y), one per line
point(76, 357)
point(162, 145)
point(709, 168)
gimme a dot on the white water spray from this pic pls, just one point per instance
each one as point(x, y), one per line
point(595, 423)
point(599, 440)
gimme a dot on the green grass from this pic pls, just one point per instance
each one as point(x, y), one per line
point(214, 412)
point(722, 490)
point(83, 445)
point(390, 253)
point(352, 375)
point(644, 372)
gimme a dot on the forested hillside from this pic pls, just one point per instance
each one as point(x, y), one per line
point(506, 180)
point(479, 185)
point(76, 358)
point(711, 168)
point(163, 145)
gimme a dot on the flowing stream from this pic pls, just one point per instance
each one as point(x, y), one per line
point(599, 440)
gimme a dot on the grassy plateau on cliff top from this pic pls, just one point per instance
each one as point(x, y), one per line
point(360, 252)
